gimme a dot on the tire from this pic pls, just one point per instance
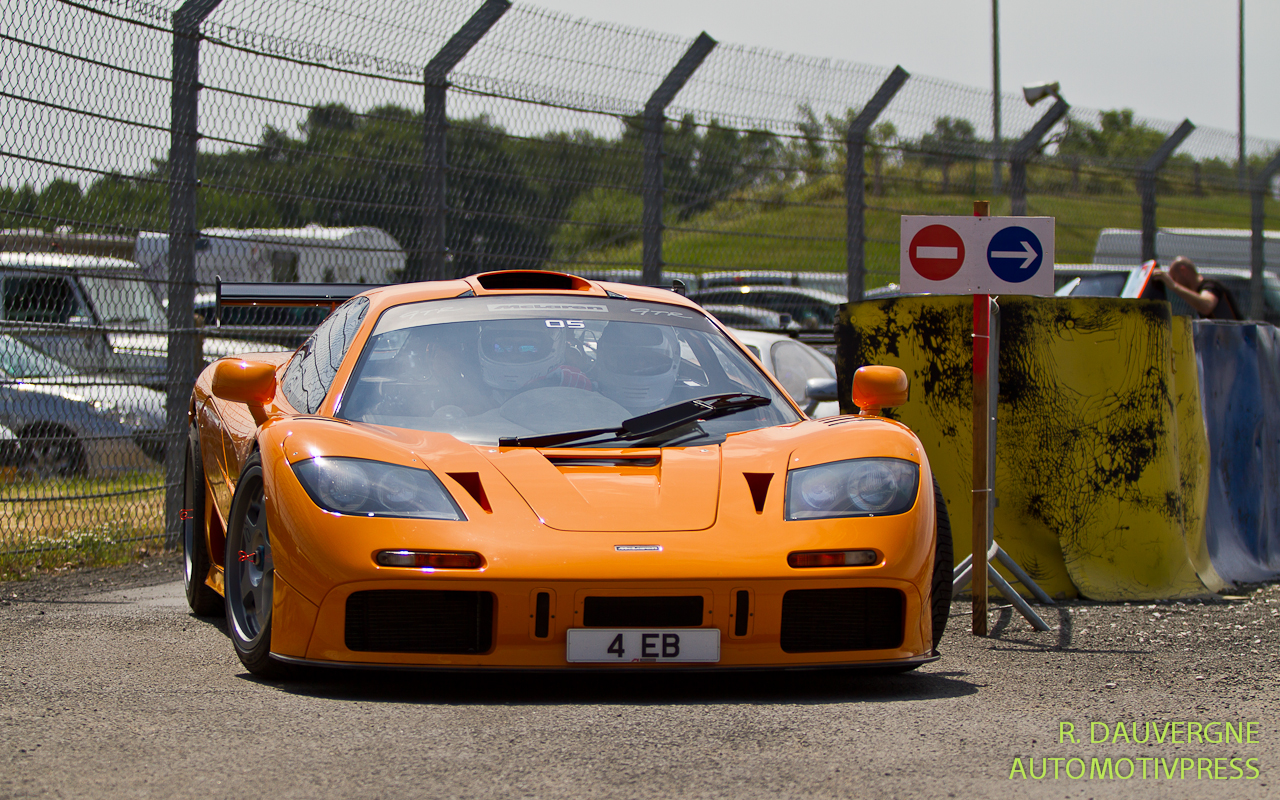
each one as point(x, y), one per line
point(943, 566)
point(248, 579)
point(51, 451)
point(204, 601)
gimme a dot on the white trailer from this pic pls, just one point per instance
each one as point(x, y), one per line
point(1206, 247)
point(284, 255)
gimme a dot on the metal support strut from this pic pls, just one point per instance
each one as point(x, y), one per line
point(986, 390)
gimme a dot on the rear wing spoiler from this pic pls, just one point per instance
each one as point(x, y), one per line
point(288, 294)
point(231, 293)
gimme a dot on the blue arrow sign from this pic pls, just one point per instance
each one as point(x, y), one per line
point(1015, 254)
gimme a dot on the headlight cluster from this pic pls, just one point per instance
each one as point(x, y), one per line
point(860, 487)
point(374, 489)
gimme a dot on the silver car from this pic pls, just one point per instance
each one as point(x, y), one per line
point(95, 314)
point(69, 423)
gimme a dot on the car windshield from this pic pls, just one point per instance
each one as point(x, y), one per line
point(18, 360)
point(482, 369)
point(1107, 285)
point(120, 301)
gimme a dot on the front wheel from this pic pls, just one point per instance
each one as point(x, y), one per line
point(249, 574)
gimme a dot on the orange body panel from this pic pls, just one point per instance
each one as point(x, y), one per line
point(544, 524)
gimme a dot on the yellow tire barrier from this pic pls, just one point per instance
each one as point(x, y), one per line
point(1102, 454)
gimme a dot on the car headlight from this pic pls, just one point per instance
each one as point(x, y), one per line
point(373, 489)
point(860, 487)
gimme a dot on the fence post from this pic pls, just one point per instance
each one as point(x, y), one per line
point(184, 134)
point(428, 260)
point(1147, 186)
point(854, 177)
point(1022, 151)
point(1258, 197)
point(654, 117)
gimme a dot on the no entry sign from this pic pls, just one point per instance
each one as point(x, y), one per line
point(936, 252)
point(977, 255)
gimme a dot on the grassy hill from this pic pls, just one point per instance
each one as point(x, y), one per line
point(804, 229)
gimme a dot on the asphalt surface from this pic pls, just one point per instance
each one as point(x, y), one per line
point(110, 688)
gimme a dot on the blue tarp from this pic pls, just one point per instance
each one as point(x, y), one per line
point(1239, 365)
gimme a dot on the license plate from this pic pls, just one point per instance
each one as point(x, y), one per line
point(643, 646)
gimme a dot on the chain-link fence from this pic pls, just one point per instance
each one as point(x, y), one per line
point(313, 140)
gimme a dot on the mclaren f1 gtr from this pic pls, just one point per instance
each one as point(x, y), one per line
point(530, 470)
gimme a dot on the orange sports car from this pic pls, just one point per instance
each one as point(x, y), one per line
point(529, 470)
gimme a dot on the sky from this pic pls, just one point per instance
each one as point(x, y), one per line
point(1165, 59)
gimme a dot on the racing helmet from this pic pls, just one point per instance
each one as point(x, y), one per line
point(636, 364)
point(515, 353)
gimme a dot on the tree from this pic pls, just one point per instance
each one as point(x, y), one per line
point(952, 139)
point(883, 137)
point(1116, 137)
point(809, 152)
point(596, 219)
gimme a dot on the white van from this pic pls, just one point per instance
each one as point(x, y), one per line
point(1227, 248)
point(283, 255)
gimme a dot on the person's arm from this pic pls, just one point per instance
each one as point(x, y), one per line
point(1202, 302)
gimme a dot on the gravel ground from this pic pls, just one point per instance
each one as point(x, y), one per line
point(109, 688)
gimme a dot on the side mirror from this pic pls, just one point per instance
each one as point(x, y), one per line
point(819, 390)
point(250, 382)
point(876, 388)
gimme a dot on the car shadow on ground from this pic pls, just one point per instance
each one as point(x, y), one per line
point(629, 688)
point(635, 687)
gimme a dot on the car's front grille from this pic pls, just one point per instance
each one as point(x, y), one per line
point(419, 621)
point(642, 612)
point(823, 620)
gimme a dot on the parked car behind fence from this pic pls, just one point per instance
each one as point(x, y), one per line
point(93, 313)
point(69, 423)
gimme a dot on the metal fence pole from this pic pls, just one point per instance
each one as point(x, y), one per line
point(429, 261)
point(654, 118)
point(1022, 152)
point(854, 177)
point(1258, 198)
point(184, 134)
point(1147, 186)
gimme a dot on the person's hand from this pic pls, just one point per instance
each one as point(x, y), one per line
point(1158, 274)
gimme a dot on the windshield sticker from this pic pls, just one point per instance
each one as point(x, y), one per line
point(657, 312)
point(555, 313)
point(548, 307)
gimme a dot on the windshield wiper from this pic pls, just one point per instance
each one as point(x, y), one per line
point(648, 425)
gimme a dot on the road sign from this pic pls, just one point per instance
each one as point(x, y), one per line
point(1014, 254)
point(977, 255)
point(936, 252)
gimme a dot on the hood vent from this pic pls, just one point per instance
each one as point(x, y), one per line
point(471, 482)
point(607, 461)
point(759, 483)
point(834, 421)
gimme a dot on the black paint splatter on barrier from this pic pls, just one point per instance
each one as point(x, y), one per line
point(944, 380)
point(1074, 447)
point(1071, 447)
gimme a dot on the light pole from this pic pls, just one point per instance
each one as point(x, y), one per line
point(996, 148)
point(1244, 165)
